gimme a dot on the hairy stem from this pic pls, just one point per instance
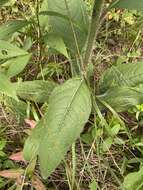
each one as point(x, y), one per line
point(94, 28)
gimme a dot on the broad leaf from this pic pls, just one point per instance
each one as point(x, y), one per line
point(122, 98)
point(7, 29)
point(128, 4)
point(76, 12)
point(69, 110)
point(56, 42)
point(122, 75)
point(134, 181)
point(8, 50)
point(36, 91)
point(14, 66)
point(6, 87)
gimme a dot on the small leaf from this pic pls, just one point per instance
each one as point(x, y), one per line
point(56, 42)
point(31, 123)
point(133, 181)
point(107, 144)
point(17, 157)
point(16, 65)
point(93, 185)
point(37, 183)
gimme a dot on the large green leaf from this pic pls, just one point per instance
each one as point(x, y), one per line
point(122, 98)
point(134, 181)
point(14, 66)
point(69, 110)
point(128, 4)
point(7, 29)
point(36, 91)
point(76, 12)
point(8, 50)
point(122, 75)
point(6, 87)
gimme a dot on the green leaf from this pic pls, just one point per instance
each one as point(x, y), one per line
point(44, 20)
point(76, 12)
point(2, 2)
point(6, 87)
point(69, 109)
point(93, 185)
point(56, 42)
point(36, 91)
point(128, 4)
point(129, 75)
point(7, 29)
point(122, 98)
point(17, 108)
point(8, 50)
point(14, 66)
point(134, 181)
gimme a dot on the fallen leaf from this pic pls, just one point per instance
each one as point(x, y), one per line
point(17, 157)
point(11, 174)
point(31, 123)
point(37, 183)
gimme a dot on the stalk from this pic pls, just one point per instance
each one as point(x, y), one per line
point(93, 31)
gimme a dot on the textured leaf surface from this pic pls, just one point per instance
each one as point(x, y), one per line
point(6, 87)
point(129, 4)
point(69, 110)
point(122, 75)
point(122, 98)
point(56, 42)
point(8, 50)
point(16, 65)
point(134, 181)
point(75, 11)
point(36, 91)
point(7, 29)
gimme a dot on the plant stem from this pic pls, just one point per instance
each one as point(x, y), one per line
point(39, 30)
point(94, 28)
